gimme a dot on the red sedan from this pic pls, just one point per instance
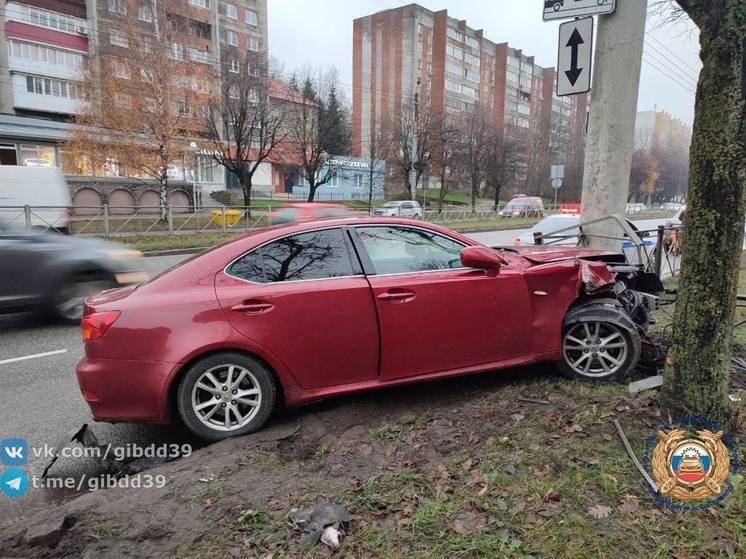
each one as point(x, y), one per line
point(294, 313)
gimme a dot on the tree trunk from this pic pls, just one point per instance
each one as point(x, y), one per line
point(697, 367)
point(474, 189)
point(246, 182)
point(311, 191)
point(443, 192)
point(163, 194)
point(498, 187)
point(370, 187)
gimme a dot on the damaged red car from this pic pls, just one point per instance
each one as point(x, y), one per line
point(288, 314)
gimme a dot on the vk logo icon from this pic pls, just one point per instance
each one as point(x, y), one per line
point(14, 452)
point(13, 483)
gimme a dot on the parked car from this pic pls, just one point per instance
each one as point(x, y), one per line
point(400, 208)
point(309, 211)
point(523, 206)
point(636, 208)
point(34, 186)
point(54, 273)
point(287, 315)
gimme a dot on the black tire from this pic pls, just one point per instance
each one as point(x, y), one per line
point(599, 342)
point(60, 305)
point(261, 378)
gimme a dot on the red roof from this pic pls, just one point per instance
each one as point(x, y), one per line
point(278, 89)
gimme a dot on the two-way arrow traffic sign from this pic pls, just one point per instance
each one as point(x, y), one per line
point(575, 56)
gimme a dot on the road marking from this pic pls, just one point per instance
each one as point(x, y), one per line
point(34, 356)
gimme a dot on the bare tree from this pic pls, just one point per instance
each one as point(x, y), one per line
point(378, 149)
point(504, 154)
point(446, 152)
point(412, 136)
point(474, 145)
point(144, 94)
point(244, 122)
point(698, 361)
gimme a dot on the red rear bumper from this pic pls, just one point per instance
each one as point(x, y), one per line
point(118, 390)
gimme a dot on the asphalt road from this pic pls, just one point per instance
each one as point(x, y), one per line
point(40, 400)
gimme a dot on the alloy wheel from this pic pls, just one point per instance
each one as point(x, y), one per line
point(595, 349)
point(226, 397)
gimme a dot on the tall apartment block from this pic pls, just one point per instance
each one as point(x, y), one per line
point(410, 50)
point(46, 44)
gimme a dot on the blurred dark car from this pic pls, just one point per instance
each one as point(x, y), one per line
point(299, 212)
point(54, 273)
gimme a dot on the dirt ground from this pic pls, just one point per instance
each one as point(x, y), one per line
point(466, 467)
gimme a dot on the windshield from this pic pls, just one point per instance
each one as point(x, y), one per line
point(519, 204)
point(391, 205)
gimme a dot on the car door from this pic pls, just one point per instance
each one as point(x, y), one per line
point(303, 297)
point(435, 315)
point(406, 209)
point(21, 260)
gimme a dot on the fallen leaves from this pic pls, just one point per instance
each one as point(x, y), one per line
point(575, 428)
point(599, 511)
point(630, 504)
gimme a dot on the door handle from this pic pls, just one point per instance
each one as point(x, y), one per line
point(402, 296)
point(253, 307)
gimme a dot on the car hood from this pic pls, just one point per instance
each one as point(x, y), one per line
point(541, 254)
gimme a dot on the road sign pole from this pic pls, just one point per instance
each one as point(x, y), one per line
point(611, 123)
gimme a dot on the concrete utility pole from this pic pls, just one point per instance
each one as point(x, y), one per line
point(611, 124)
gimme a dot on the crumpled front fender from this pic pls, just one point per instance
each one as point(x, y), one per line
point(594, 275)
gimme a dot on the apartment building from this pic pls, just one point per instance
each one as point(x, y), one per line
point(451, 68)
point(46, 45)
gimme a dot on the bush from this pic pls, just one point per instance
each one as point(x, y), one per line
point(224, 197)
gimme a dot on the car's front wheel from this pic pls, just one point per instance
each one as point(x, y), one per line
point(226, 394)
point(599, 342)
point(66, 303)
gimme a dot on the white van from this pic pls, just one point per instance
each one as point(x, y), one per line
point(36, 187)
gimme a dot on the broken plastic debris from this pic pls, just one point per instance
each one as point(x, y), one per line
point(645, 384)
point(330, 537)
point(84, 436)
point(313, 522)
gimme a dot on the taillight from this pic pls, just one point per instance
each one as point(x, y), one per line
point(95, 325)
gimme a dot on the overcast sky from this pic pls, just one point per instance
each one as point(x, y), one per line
point(319, 33)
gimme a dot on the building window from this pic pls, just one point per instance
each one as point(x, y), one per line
point(200, 3)
point(48, 55)
point(471, 59)
point(472, 42)
point(52, 87)
point(251, 18)
point(51, 20)
point(453, 103)
point(231, 11)
point(454, 69)
point(471, 75)
point(454, 34)
point(178, 51)
point(119, 38)
point(334, 181)
point(144, 13)
point(38, 155)
point(233, 65)
point(232, 38)
point(118, 6)
point(253, 44)
point(253, 97)
point(453, 86)
point(358, 178)
point(121, 70)
point(455, 52)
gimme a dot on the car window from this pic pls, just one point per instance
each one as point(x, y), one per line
point(407, 205)
point(314, 255)
point(391, 205)
point(398, 250)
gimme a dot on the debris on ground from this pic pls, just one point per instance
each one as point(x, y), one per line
point(85, 437)
point(317, 521)
point(645, 384)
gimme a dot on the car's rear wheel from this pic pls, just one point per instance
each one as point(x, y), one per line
point(66, 303)
point(599, 342)
point(226, 394)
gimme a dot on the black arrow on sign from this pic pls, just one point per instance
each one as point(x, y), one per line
point(574, 43)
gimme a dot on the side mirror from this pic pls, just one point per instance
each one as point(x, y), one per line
point(482, 258)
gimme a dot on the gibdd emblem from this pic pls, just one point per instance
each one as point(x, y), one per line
point(691, 464)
